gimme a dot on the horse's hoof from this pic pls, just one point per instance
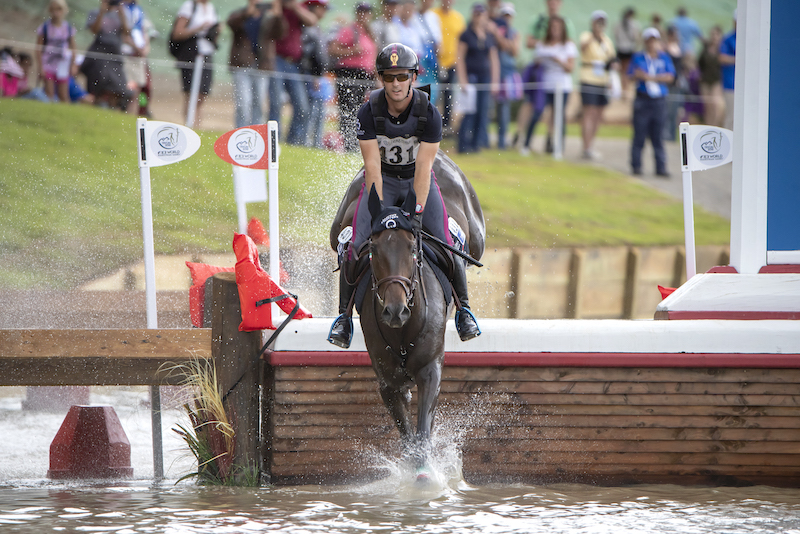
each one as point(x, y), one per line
point(423, 477)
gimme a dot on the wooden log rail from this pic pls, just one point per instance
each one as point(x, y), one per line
point(97, 357)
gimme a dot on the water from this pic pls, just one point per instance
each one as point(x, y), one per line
point(31, 503)
point(385, 507)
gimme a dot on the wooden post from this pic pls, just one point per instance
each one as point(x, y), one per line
point(679, 269)
point(513, 284)
point(631, 279)
point(238, 367)
point(573, 288)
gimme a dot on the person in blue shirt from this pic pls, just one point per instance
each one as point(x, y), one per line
point(727, 58)
point(688, 30)
point(652, 70)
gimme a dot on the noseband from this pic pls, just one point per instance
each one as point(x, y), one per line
point(409, 284)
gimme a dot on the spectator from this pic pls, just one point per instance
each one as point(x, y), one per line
point(381, 26)
point(477, 63)
point(431, 32)
point(711, 79)
point(678, 87)
point(655, 22)
point(537, 34)
point(136, 48)
point(314, 63)
point(13, 76)
point(627, 35)
point(727, 58)
point(597, 57)
point(289, 50)
point(556, 54)
point(688, 31)
point(405, 28)
point(105, 77)
point(24, 90)
point(353, 52)
point(652, 70)
point(508, 43)
point(249, 85)
point(453, 25)
point(539, 28)
point(197, 21)
point(55, 51)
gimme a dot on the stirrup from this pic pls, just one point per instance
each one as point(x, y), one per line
point(341, 333)
point(470, 328)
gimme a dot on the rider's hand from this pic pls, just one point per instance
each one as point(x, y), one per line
point(416, 219)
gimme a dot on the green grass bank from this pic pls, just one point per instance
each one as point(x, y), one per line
point(71, 204)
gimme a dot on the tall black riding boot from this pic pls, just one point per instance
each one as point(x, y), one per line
point(341, 333)
point(466, 325)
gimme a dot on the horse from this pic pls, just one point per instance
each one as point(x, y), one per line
point(404, 314)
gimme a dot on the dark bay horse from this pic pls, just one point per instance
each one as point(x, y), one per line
point(403, 317)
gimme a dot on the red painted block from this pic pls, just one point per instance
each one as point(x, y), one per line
point(90, 444)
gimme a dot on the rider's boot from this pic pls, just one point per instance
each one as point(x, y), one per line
point(341, 333)
point(466, 325)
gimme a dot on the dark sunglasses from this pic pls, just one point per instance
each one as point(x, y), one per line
point(389, 78)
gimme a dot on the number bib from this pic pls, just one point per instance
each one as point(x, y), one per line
point(398, 151)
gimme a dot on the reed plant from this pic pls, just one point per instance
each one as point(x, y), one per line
point(210, 436)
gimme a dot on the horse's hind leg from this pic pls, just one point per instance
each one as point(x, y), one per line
point(398, 402)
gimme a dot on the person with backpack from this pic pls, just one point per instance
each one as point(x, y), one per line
point(353, 53)
point(55, 51)
point(314, 62)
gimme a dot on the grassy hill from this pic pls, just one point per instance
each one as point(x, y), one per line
point(70, 198)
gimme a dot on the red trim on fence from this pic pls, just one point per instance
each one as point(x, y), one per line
point(734, 315)
point(780, 268)
point(550, 359)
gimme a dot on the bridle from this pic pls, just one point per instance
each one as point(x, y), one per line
point(409, 283)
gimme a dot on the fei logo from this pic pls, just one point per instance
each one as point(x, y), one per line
point(168, 143)
point(712, 147)
point(246, 147)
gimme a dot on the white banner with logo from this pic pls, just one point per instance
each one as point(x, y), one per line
point(161, 143)
point(705, 147)
point(702, 148)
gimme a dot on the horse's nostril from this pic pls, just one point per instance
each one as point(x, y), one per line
point(405, 314)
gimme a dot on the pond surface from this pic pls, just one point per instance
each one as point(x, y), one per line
point(31, 503)
point(392, 506)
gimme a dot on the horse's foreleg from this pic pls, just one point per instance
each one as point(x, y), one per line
point(428, 380)
point(398, 402)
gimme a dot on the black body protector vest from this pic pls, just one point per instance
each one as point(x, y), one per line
point(399, 143)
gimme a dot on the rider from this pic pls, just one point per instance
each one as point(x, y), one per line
point(399, 132)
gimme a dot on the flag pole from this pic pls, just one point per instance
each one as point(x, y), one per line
point(150, 290)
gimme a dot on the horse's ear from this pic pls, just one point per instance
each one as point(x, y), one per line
point(410, 203)
point(374, 203)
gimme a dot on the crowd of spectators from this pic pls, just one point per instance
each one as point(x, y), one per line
point(283, 53)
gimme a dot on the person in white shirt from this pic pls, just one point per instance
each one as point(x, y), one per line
point(556, 54)
point(197, 19)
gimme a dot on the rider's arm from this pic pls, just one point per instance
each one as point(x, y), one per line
point(372, 165)
point(422, 171)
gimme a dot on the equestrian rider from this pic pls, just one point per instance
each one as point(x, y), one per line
point(399, 132)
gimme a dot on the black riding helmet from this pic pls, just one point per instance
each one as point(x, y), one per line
point(397, 56)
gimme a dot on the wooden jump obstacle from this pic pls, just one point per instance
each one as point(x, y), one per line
point(605, 402)
point(556, 409)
